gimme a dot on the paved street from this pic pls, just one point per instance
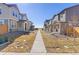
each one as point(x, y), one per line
point(38, 46)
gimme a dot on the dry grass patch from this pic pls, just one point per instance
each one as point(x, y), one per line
point(22, 44)
point(60, 45)
point(51, 44)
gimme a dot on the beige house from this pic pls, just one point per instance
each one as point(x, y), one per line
point(30, 26)
point(23, 23)
point(12, 20)
point(9, 15)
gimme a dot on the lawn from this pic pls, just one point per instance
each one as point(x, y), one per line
point(22, 44)
point(8, 38)
point(60, 45)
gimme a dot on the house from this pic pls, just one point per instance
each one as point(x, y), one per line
point(66, 22)
point(69, 19)
point(30, 26)
point(23, 23)
point(12, 20)
point(46, 25)
point(55, 24)
point(9, 15)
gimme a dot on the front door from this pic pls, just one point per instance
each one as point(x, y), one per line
point(25, 26)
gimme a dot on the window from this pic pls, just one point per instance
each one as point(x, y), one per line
point(14, 14)
point(12, 24)
point(1, 21)
point(6, 21)
point(0, 11)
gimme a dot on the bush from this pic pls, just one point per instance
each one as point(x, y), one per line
point(3, 39)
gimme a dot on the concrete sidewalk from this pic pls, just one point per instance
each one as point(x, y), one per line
point(38, 46)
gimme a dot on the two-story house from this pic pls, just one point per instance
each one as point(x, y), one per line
point(46, 25)
point(23, 23)
point(65, 21)
point(9, 15)
point(12, 20)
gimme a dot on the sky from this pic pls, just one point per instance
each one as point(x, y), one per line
point(39, 12)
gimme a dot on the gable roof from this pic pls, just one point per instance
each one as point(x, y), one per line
point(68, 8)
point(11, 5)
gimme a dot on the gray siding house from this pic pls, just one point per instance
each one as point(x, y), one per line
point(67, 18)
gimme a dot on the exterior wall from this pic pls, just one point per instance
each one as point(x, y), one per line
point(20, 26)
point(56, 27)
point(58, 23)
point(65, 21)
point(4, 16)
point(7, 14)
point(26, 26)
point(14, 11)
point(14, 18)
point(72, 19)
point(73, 14)
point(62, 16)
point(63, 28)
point(4, 12)
point(12, 25)
point(29, 25)
point(47, 25)
point(24, 17)
point(23, 26)
point(55, 19)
